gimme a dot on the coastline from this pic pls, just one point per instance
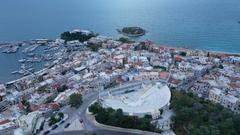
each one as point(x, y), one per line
point(191, 49)
point(159, 45)
point(21, 78)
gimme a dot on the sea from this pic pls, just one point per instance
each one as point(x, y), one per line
point(198, 24)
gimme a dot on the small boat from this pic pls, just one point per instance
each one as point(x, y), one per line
point(35, 59)
point(23, 66)
point(47, 65)
point(21, 71)
point(26, 73)
point(30, 66)
point(30, 69)
point(14, 72)
point(31, 54)
point(22, 60)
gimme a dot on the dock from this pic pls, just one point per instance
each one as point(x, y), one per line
point(30, 48)
point(10, 49)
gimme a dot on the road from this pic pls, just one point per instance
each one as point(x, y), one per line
point(89, 125)
point(98, 132)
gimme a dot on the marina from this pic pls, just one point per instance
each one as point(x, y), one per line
point(24, 70)
point(29, 56)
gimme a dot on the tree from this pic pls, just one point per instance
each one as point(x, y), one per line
point(94, 47)
point(27, 105)
point(80, 36)
point(63, 72)
point(196, 116)
point(220, 66)
point(75, 100)
point(208, 54)
point(61, 115)
point(52, 121)
point(183, 54)
point(124, 39)
point(161, 111)
point(113, 117)
point(62, 88)
point(42, 89)
point(40, 78)
point(90, 134)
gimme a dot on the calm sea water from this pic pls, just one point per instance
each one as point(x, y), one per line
point(202, 24)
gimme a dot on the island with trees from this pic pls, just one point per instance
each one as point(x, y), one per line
point(132, 31)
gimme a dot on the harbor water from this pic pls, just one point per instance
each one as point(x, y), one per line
point(202, 24)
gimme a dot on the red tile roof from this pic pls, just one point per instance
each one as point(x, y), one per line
point(163, 75)
point(234, 85)
point(178, 58)
point(4, 122)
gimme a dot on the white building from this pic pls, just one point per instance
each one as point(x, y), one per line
point(225, 99)
point(147, 76)
point(63, 97)
point(7, 127)
point(28, 122)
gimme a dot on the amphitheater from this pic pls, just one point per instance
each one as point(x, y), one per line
point(138, 98)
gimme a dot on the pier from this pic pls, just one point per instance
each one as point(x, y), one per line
point(10, 48)
point(30, 48)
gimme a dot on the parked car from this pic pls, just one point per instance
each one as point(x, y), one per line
point(62, 122)
point(46, 132)
point(81, 120)
point(67, 125)
point(54, 127)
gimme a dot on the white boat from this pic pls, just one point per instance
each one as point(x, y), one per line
point(22, 60)
point(14, 72)
point(47, 65)
point(23, 66)
point(21, 71)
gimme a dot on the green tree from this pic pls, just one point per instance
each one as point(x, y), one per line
point(40, 78)
point(75, 100)
point(62, 88)
point(183, 54)
point(208, 54)
point(95, 47)
point(161, 111)
point(52, 120)
point(113, 117)
point(68, 36)
point(90, 134)
point(195, 116)
point(220, 66)
point(61, 115)
point(124, 39)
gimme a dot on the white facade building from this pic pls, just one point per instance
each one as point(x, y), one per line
point(225, 99)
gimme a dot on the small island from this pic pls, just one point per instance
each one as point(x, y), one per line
point(132, 31)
